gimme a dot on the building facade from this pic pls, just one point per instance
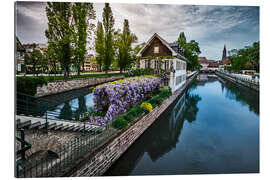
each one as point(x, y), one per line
point(89, 63)
point(158, 54)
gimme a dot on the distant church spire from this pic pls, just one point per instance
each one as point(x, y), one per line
point(224, 55)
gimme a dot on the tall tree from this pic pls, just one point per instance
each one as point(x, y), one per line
point(52, 58)
point(36, 58)
point(82, 14)
point(125, 40)
point(182, 39)
point(99, 45)
point(59, 31)
point(108, 23)
point(192, 51)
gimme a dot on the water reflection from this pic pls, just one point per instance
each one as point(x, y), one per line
point(208, 130)
point(162, 136)
point(72, 105)
point(241, 94)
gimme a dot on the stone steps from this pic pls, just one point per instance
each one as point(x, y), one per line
point(30, 122)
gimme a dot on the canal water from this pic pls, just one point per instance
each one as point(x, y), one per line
point(212, 128)
point(68, 105)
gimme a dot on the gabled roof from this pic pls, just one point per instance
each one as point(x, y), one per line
point(165, 43)
point(19, 45)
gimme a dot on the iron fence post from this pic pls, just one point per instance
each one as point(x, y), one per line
point(46, 125)
point(84, 127)
point(22, 144)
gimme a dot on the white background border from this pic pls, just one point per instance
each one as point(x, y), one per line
point(7, 88)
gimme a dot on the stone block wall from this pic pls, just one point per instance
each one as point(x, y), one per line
point(63, 86)
point(101, 160)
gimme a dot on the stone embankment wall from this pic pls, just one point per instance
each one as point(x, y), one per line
point(97, 163)
point(63, 86)
point(248, 84)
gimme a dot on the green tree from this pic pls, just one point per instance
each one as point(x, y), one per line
point(52, 58)
point(59, 32)
point(99, 45)
point(108, 23)
point(82, 13)
point(182, 39)
point(35, 59)
point(247, 58)
point(192, 51)
point(124, 42)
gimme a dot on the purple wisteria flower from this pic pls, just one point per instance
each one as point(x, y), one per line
point(116, 97)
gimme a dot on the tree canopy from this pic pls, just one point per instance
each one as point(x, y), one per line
point(247, 58)
point(124, 49)
point(108, 23)
point(192, 51)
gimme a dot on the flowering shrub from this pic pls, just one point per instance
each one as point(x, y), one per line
point(147, 106)
point(112, 99)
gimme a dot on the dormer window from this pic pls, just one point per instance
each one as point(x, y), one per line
point(156, 49)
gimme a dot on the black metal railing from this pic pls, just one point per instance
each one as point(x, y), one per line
point(67, 154)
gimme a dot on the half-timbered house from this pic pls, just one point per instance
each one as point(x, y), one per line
point(159, 54)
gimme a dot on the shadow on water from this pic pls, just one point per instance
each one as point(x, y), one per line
point(68, 105)
point(241, 94)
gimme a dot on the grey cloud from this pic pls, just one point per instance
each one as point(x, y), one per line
point(211, 26)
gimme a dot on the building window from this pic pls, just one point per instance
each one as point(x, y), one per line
point(166, 64)
point(156, 49)
point(156, 64)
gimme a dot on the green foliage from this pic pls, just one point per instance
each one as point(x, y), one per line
point(128, 116)
point(123, 45)
point(160, 97)
point(247, 58)
point(99, 44)
point(59, 32)
point(28, 85)
point(192, 51)
point(82, 14)
point(139, 72)
point(120, 123)
point(108, 23)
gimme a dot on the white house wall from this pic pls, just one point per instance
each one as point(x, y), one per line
point(180, 74)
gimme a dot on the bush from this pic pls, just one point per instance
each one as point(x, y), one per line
point(28, 85)
point(128, 117)
point(120, 123)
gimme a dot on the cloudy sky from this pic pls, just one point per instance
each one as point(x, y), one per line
point(211, 26)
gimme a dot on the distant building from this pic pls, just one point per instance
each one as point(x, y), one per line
point(89, 63)
point(20, 55)
point(224, 54)
point(175, 63)
point(208, 65)
point(204, 63)
point(225, 64)
point(42, 47)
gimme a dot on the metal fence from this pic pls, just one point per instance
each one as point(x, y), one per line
point(64, 158)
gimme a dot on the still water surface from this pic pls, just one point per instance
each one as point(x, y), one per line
point(212, 128)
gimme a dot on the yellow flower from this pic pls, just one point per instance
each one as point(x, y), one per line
point(147, 106)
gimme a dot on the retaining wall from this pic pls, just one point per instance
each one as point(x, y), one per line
point(63, 86)
point(248, 84)
point(98, 162)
